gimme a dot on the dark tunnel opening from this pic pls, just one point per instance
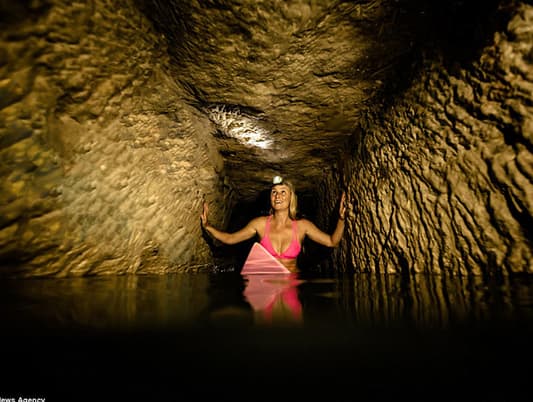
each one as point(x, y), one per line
point(314, 257)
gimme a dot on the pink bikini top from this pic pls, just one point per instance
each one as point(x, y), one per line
point(292, 251)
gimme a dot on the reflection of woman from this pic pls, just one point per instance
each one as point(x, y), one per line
point(280, 233)
point(274, 297)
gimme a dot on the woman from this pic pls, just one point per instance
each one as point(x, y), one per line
point(280, 233)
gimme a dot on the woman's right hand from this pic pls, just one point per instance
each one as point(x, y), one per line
point(203, 216)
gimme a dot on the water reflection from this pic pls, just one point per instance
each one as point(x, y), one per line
point(106, 302)
point(434, 300)
point(302, 299)
point(350, 337)
point(274, 298)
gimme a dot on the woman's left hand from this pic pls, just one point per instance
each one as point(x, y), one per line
point(342, 207)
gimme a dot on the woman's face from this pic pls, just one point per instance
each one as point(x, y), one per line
point(280, 196)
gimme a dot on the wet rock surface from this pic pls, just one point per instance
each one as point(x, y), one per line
point(103, 162)
point(443, 178)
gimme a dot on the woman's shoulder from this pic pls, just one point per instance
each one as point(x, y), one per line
point(302, 221)
point(305, 223)
point(259, 219)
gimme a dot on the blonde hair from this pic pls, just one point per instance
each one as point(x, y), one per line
point(293, 203)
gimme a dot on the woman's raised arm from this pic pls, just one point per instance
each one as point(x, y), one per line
point(328, 240)
point(249, 231)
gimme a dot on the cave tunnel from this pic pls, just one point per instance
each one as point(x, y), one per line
point(119, 119)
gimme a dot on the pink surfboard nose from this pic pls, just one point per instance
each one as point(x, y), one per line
point(260, 261)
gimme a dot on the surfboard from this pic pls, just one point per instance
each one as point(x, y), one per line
point(260, 261)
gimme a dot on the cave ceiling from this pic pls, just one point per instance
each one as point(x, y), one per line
point(285, 82)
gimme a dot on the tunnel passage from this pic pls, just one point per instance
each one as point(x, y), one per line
point(119, 118)
point(313, 257)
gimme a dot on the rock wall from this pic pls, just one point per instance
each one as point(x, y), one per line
point(440, 180)
point(106, 156)
point(103, 162)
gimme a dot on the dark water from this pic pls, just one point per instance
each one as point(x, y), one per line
point(305, 337)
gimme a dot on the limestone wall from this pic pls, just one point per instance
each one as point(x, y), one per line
point(103, 162)
point(441, 180)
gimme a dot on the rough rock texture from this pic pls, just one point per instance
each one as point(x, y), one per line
point(292, 75)
point(441, 180)
point(104, 164)
point(117, 118)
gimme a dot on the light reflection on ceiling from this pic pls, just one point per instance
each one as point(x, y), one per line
point(235, 124)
